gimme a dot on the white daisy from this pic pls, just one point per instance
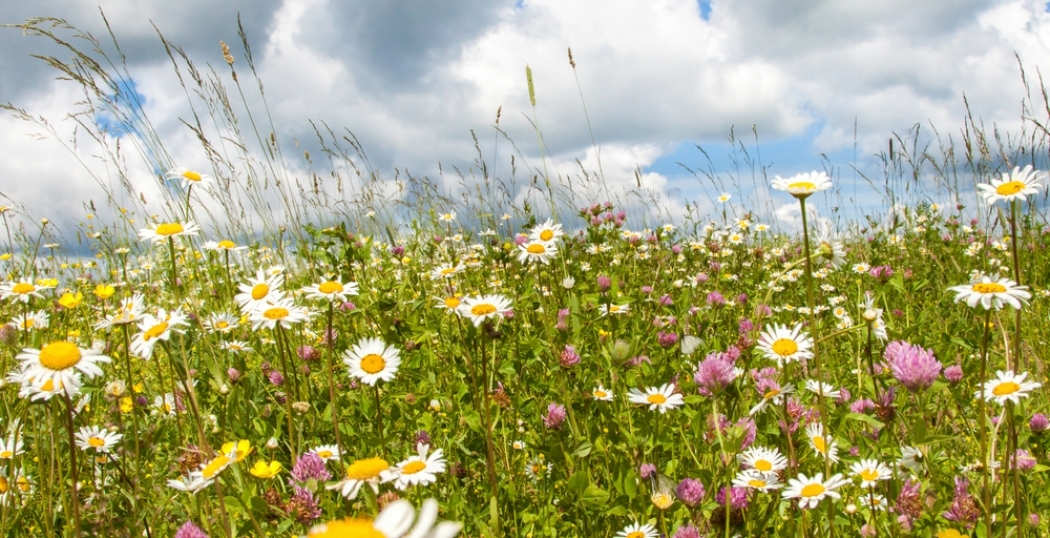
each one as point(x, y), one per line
point(599, 393)
point(163, 231)
point(772, 396)
point(284, 312)
point(657, 398)
point(546, 232)
point(991, 293)
point(873, 501)
point(616, 309)
point(99, 439)
point(479, 308)
point(420, 469)
point(810, 491)
point(236, 346)
point(537, 251)
point(753, 479)
point(189, 178)
point(331, 290)
point(21, 290)
point(784, 345)
point(763, 460)
point(870, 472)
point(222, 246)
point(637, 530)
point(803, 185)
point(1007, 387)
point(1013, 186)
point(10, 447)
point(130, 311)
point(61, 363)
point(821, 443)
point(371, 360)
point(816, 387)
point(395, 521)
point(261, 290)
point(327, 452)
point(153, 329)
point(371, 471)
point(221, 322)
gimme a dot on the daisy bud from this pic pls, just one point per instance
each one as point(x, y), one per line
point(272, 444)
point(851, 509)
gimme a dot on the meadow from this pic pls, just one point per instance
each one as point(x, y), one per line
point(270, 355)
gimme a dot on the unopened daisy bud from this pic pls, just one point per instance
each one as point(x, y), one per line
point(851, 509)
point(224, 389)
point(435, 405)
point(272, 444)
point(568, 282)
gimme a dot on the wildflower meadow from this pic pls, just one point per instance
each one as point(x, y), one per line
point(340, 354)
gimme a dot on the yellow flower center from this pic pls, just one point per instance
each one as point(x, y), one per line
point(373, 363)
point(169, 229)
point(657, 399)
point(226, 244)
point(812, 490)
point(869, 475)
point(260, 291)
point(215, 466)
point(662, 501)
point(28, 323)
point(805, 186)
point(413, 467)
point(949, 533)
point(7, 454)
point(48, 386)
point(330, 287)
point(97, 442)
point(324, 454)
point(222, 324)
point(756, 483)
point(452, 302)
point(1005, 388)
point(636, 534)
point(275, 313)
point(3, 485)
point(536, 248)
point(448, 270)
point(547, 235)
point(155, 331)
point(357, 528)
point(876, 501)
point(1010, 187)
point(785, 347)
point(989, 287)
point(482, 309)
point(191, 175)
point(60, 355)
point(23, 288)
point(818, 443)
point(600, 394)
point(773, 393)
point(366, 469)
point(764, 465)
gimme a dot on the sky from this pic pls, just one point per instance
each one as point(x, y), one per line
point(799, 85)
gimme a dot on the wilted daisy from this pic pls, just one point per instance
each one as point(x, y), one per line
point(99, 439)
point(991, 293)
point(371, 360)
point(810, 491)
point(753, 479)
point(1007, 387)
point(478, 308)
point(153, 329)
point(331, 290)
point(546, 232)
point(189, 178)
point(163, 231)
point(657, 398)
point(763, 460)
point(537, 251)
point(821, 443)
point(784, 345)
point(21, 290)
point(420, 469)
point(371, 471)
point(395, 521)
point(261, 290)
point(284, 312)
point(599, 393)
point(61, 363)
point(637, 530)
point(870, 471)
point(1013, 186)
point(803, 185)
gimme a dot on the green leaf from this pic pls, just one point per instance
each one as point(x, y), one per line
point(594, 497)
point(867, 419)
point(583, 450)
point(918, 431)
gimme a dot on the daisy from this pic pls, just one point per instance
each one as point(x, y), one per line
point(99, 439)
point(22, 290)
point(221, 323)
point(420, 469)
point(873, 501)
point(371, 360)
point(912, 458)
point(164, 405)
point(991, 293)
point(821, 443)
point(802, 185)
point(482, 307)
point(1007, 387)
point(599, 393)
point(1012, 186)
point(283, 313)
point(657, 398)
point(637, 530)
point(816, 387)
point(191, 483)
point(223, 246)
point(546, 232)
point(10, 448)
point(260, 290)
point(449, 304)
point(772, 396)
point(537, 251)
point(784, 345)
point(535, 469)
point(61, 363)
point(327, 452)
point(810, 491)
point(130, 311)
point(31, 321)
point(447, 217)
point(446, 270)
point(617, 309)
point(753, 479)
point(158, 233)
point(870, 472)
point(236, 346)
point(395, 521)
point(371, 471)
point(153, 329)
point(763, 460)
point(189, 178)
point(331, 291)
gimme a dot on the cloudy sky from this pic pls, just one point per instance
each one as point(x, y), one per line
point(820, 81)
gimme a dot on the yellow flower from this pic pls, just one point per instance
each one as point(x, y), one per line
point(126, 404)
point(949, 533)
point(242, 448)
point(68, 300)
point(104, 291)
point(5, 256)
point(261, 469)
